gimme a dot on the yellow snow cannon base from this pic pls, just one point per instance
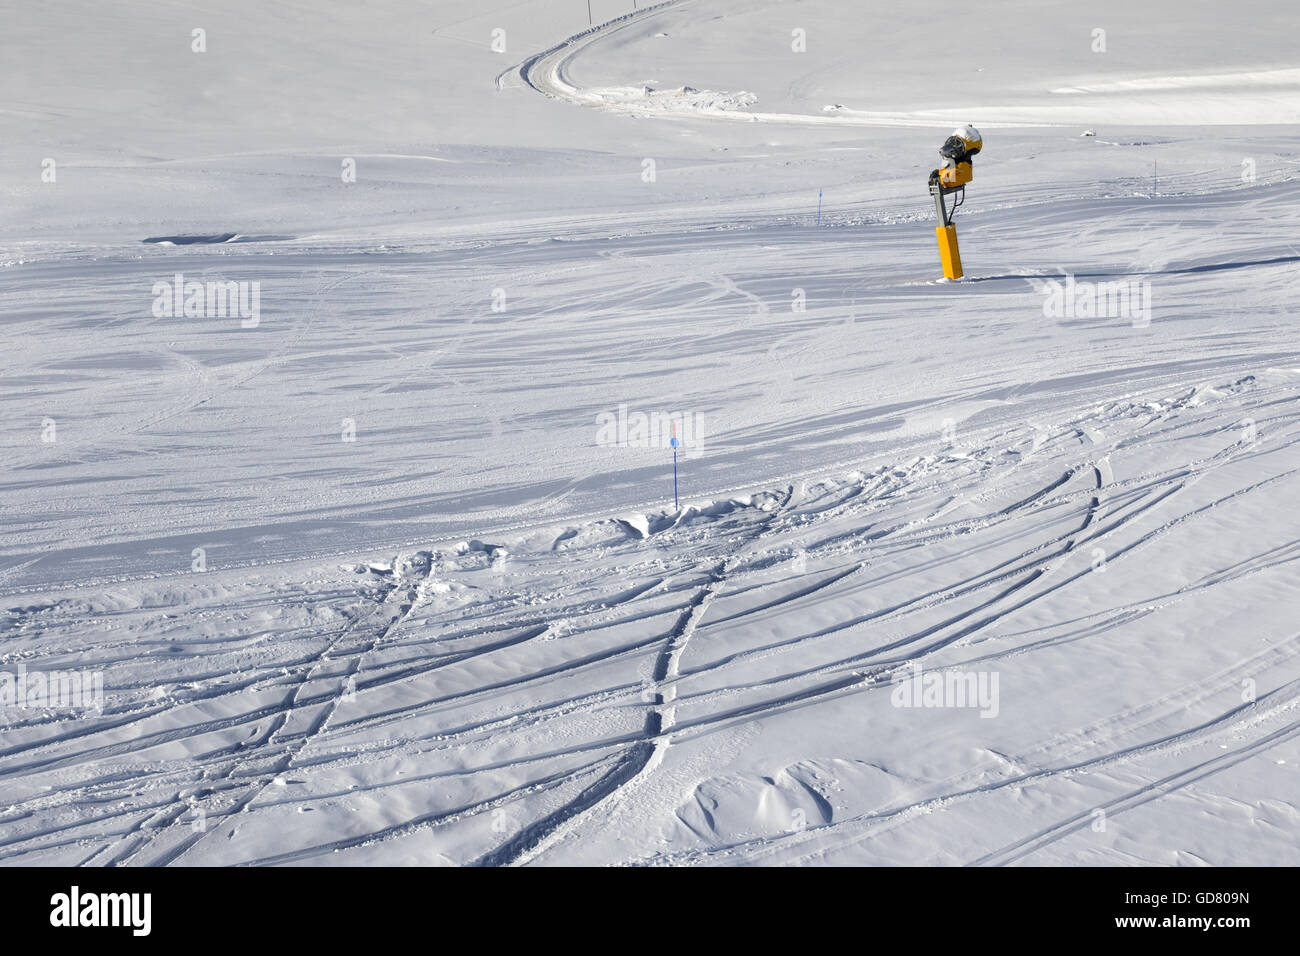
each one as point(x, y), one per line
point(953, 176)
point(947, 236)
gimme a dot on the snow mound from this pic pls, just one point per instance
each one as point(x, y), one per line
point(683, 99)
point(803, 795)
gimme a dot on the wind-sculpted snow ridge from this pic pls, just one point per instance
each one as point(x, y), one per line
point(727, 682)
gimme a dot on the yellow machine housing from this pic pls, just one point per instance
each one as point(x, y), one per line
point(948, 253)
point(953, 176)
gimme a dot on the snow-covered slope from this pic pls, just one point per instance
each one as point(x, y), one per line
point(388, 571)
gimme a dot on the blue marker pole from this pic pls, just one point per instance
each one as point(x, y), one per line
point(676, 506)
point(819, 207)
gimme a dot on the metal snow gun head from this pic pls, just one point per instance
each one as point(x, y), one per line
point(956, 153)
point(952, 177)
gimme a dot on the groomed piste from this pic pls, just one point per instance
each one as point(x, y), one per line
point(385, 568)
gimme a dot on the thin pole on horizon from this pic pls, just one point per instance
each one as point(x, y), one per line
point(676, 505)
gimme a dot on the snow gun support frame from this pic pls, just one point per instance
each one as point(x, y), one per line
point(943, 210)
point(946, 232)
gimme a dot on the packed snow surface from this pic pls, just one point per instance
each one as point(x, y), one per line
point(368, 547)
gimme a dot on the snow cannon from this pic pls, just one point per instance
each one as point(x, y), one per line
point(951, 179)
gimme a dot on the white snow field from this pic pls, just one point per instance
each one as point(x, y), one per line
point(385, 568)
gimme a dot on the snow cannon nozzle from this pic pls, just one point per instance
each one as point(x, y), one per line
point(968, 138)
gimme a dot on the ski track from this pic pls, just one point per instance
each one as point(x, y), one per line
point(646, 755)
point(617, 766)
